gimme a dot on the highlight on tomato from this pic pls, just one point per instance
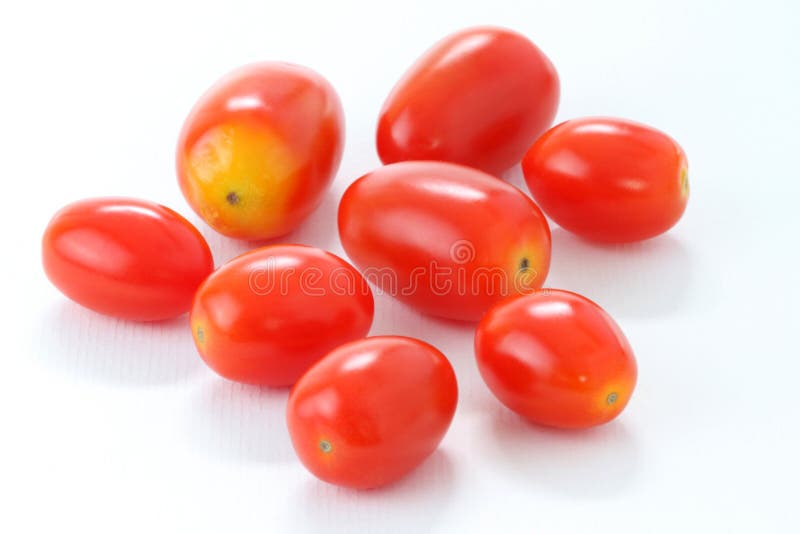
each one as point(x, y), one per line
point(125, 257)
point(556, 358)
point(372, 410)
point(266, 316)
point(608, 179)
point(478, 97)
point(260, 148)
point(446, 239)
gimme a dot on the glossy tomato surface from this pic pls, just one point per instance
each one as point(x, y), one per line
point(260, 148)
point(372, 410)
point(267, 315)
point(607, 179)
point(124, 257)
point(556, 358)
point(446, 239)
point(478, 97)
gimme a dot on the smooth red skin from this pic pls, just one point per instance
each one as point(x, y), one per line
point(407, 215)
point(608, 180)
point(533, 350)
point(270, 336)
point(280, 96)
point(382, 403)
point(478, 97)
point(124, 257)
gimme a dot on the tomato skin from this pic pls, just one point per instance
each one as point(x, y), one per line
point(372, 410)
point(556, 358)
point(125, 257)
point(266, 316)
point(446, 239)
point(260, 148)
point(608, 180)
point(478, 97)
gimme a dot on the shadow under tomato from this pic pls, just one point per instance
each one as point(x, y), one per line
point(590, 463)
point(646, 279)
point(77, 341)
point(229, 421)
point(419, 498)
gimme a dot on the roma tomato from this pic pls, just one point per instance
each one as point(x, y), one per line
point(556, 358)
point(372, 410)
point(446, 239)
point(260, 148)
point(608, 179)
point(478, 97)
point(124, 257)
point(267, 315)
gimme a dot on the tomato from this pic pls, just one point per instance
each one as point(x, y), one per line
point(267, 315)
point(446, 239)
point(478, 97)
point(556, 358)
point(127, 258)
point(608, 179)
point(260, 148)
point(372, 410)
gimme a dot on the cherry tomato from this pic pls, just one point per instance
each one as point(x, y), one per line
point(608, 179)
point(372, 410)
point(266, 316)
point(556, 358)
point(127, 258)
point(446, 239)
point(478, 97)
point(260, 148)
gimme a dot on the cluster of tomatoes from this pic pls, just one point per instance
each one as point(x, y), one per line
point(435, 227)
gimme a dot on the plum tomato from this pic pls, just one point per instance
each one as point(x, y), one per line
point(260, 148)
point(264, 317)
point(608, 180)
point(124, 257)
point(446, 239)
point(478, 97)
point(372, 410)
point(556, 358)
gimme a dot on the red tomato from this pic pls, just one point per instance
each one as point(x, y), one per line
point(266, 316)
point(372, 410)
point(124, 257)
point(446, 239)
point(607, 179)
point(260, 148)
point(478, 97)
point(556, 358)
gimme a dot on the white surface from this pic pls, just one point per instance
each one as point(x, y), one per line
point(114, 427)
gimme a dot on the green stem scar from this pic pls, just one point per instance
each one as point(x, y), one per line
point(612, 398)
point(232, 198)
point(201, 335)
point(684, 181)
point(524, 264)
point(325, 446)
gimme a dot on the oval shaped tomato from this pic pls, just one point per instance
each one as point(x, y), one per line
point(446, 239)
point(478, 97)
point(372, 410)
point(267, 315)
point(556, 358)
point(608, 179)
point(260, 148)
point(125, 257)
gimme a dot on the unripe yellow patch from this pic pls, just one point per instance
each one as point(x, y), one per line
point(240, 178)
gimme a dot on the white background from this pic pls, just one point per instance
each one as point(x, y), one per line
point(108, 426)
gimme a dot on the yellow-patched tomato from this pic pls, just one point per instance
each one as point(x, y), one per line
point(607, 179)
point(125, 257)
point(446, 239)
point(556, 358)
point(266, 316)
point(372, 410)
point(478, 97)
point(260, 148)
